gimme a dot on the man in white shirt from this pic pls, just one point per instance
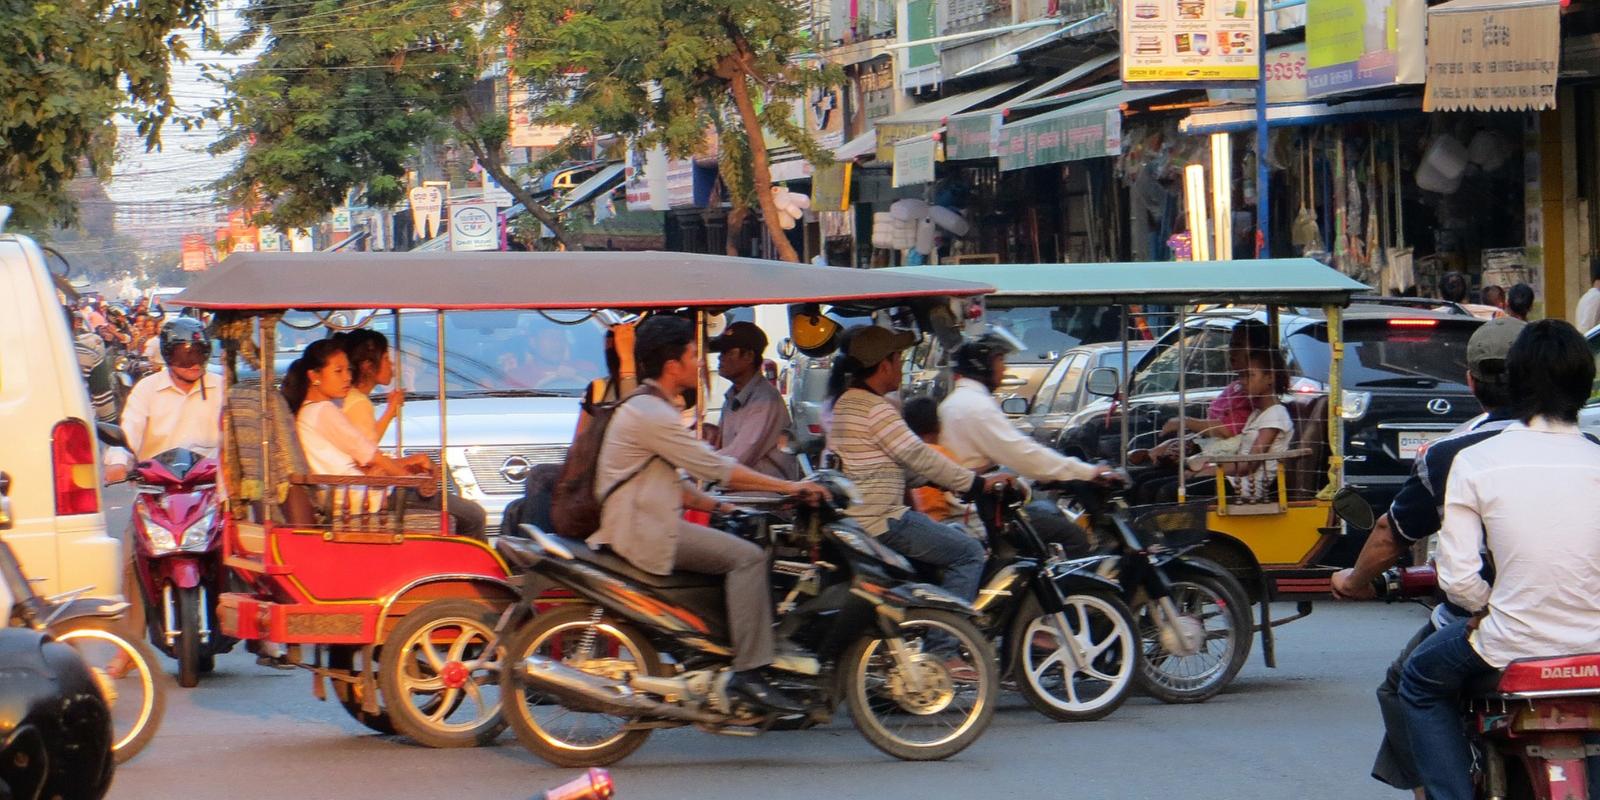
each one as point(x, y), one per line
point(976, 431)
point(181, 406)
point(1530, 497)
point(1588, 314)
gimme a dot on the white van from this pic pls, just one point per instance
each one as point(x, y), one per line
point(46, 424)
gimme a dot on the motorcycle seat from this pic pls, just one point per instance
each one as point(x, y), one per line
point(521, 554)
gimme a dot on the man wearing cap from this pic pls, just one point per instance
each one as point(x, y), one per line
point(755, 421)
point(878, 451)
point(1415, 515)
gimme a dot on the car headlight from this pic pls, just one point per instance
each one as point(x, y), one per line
point(196, 536)
point(1353, 405)
point(161, 541)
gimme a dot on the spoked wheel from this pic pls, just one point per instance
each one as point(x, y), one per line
point(439, 680)
point(922, 705)
point(557, 733)
point(1173, 677)
point(1052, 676)
point(126, 671)
point(348, 660)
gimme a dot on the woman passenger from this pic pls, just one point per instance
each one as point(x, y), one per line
point(370, 367)
point(333, 445)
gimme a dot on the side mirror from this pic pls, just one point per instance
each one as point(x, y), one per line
point(1103, 382)
point(786, 348)
point(112, 435)
point(1351, 507)
point(1014, 406)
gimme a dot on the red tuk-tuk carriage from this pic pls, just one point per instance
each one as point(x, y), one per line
point(378, 600)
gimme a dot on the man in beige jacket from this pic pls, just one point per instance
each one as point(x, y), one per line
point(643, 497)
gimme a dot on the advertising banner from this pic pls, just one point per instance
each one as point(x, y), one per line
point(1052, 139)
point(1493, 56)
point(646, 179)
point(977, 136)
point(1363, 44)
point(914, 160)
point(474, 226)
point(1168, 41)
point(271, 240)
point(427, 204)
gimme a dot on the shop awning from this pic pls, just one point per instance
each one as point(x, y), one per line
point(1090, 129)
point(1237, 118)
point(1064, 98)
point(1493, 55)
point(926, 117)
point(604, 180)
point(976, 134)
point(862, 145)
point(1066, 79)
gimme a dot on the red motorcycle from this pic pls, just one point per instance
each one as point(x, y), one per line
point(1530, 723)
point(177, 525)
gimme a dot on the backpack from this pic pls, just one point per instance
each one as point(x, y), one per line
point(575, 508)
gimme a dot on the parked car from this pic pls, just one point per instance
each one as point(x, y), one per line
point(1404, 384)
point(1066, 389)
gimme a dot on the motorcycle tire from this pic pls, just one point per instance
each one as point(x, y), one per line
point(342, 658)
point(127, 740)
point(1158, 675)
point(518, 699)
point(1120, 645)
point(398, 668)
point(188, 641)
point(868, 713)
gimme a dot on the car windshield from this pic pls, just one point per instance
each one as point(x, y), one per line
point(490, 353)
point(1422, 353)
point(1049, 331)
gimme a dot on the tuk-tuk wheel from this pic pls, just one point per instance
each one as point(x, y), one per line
point(439, 682)
point(343, 658)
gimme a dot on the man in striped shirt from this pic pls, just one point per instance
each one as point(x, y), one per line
point(879, 453)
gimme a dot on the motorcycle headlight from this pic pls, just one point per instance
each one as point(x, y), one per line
point(160, 538)
point(196, 536)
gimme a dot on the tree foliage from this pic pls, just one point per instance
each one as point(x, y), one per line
point(665, 72)
point(68, 67)
point(346, 94)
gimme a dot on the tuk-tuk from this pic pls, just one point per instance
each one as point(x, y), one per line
point(1272, 538)
point(339, 574)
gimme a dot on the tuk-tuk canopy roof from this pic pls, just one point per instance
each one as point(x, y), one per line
point(1281, 281)
point(573, 280)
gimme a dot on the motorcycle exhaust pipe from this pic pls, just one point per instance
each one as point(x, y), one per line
point(604, 695)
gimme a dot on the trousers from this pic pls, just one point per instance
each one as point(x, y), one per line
point(746, 590)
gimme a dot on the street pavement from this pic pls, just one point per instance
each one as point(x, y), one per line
point(1304, 730)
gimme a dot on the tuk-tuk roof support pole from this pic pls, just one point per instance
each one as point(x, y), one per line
point(1263, 169)
point(399, 417)
point(1127, 386)
point(1183, 410)
point(1335, 315)
point(444, 439)
point(701, 380)
point(268, 336)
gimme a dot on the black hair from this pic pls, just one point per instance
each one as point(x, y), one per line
point(297, 380)
point(1271, 360)
point(1520, 300)
point(660, 339)
point(1253, 333)
point(1496, 289)
point(1551, 371)
point(1594, 269)
point(1453, 287)
point(922, 415)
point(365, 349)
point(1491, 385)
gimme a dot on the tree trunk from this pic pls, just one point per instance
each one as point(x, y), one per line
point(492, 166)
point(733, 69)
point(734, 225)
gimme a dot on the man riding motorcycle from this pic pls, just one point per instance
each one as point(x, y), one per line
point(976, 431)
point(1414, 516)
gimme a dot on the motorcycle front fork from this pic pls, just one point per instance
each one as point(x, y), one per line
point(169, 615)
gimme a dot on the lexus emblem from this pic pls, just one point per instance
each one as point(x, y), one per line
point(515, 469)
point(1437, 405)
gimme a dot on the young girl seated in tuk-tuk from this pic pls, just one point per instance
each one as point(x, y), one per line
point(1269, 428)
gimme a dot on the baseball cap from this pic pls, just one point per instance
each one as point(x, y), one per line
point(871, 344)
point(1490, 342)
point(740, 336)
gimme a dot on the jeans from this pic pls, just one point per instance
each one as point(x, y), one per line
point(1430, 689)
point(959, 556)
point(467, 518)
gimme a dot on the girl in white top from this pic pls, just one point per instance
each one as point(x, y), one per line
point(333, 444)
point(370, 367)
point(1269, 428)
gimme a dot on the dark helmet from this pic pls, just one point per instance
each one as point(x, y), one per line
point(55, 727)
point(975, 357)
point(184, 331)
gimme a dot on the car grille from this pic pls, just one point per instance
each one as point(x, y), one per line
point(486, 463)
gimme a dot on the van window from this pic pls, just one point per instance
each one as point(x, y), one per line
point(499, 352)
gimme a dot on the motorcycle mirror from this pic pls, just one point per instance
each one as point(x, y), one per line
point(1103, 382)
point(112, 435)
point(1354, 509)
point(786, 349)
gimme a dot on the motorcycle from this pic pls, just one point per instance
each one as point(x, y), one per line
point(1193, 615)
point(177, 526)
point(587, 684)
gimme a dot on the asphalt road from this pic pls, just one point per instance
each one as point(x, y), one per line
point(1304, 730)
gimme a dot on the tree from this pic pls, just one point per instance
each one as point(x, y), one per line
point(345, 95)
point(68, 67)
point(664, 72)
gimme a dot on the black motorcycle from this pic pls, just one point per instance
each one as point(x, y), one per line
point(586, 684)
point(55, 726)
point(1193, 615)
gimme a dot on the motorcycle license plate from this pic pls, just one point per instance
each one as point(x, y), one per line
point(1413, 441)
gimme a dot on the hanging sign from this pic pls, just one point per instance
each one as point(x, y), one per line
point(1051, 139)
point(914, 160)
point(1493, 56)
point(427, 203)
point(474, 226)
point(271, 240)
point(976, 136)
point(646, 179)
point(300, 241)
point(1166, 41)
point(1363, 44)
point(341, 219)
point(830, 187)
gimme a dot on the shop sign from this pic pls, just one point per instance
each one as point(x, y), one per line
point(474, 226)
point(914, 160)
point(1362, 44)
point(889, 133)
point(875, 90)
point(680, 182)
point(825, 116)
point(830, 187)
point(525, 132)
point(794, 169)
point(1050, 140)
point(300, 241)
point(1498, 56)
point(341, 219)
point(196, 252)
point(976, 136)
point(427, 203)
point(1167, 41)
point(645, 177)
point(271, 240)
point(1286, 78)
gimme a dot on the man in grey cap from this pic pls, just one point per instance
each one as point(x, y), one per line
point(754, 421)
point(1415, 515)
point(879, 453)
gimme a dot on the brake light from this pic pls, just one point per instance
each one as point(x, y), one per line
point(72, 462)
point(1413, 323)
point(814, 429)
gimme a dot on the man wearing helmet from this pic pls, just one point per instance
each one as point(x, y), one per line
point(977, 432)
point(180, 406)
